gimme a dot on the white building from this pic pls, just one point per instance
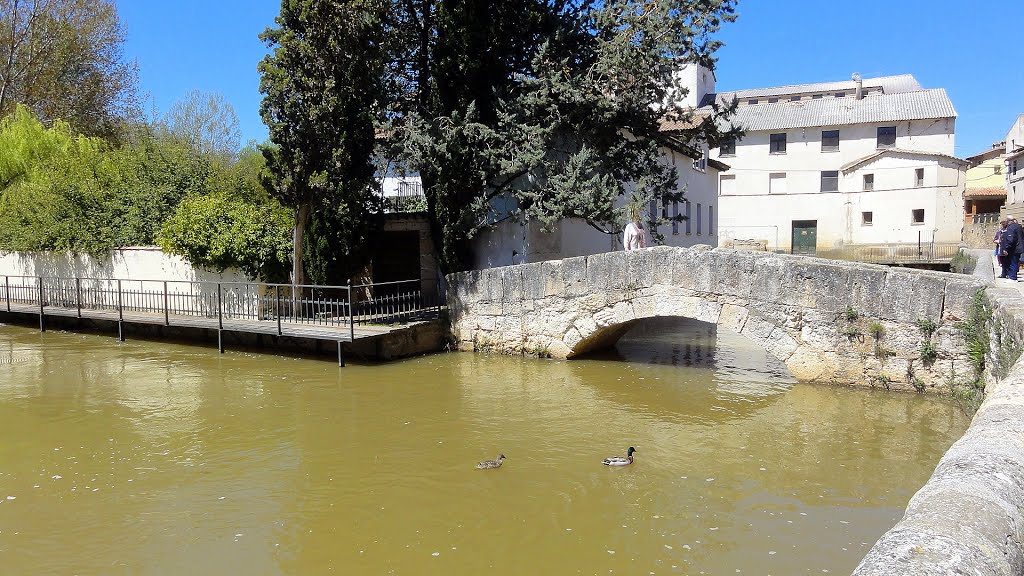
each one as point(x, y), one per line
point(1014, 159)
point(834, 168)
point(508, 242)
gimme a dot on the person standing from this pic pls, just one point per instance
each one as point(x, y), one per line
point(998, 252)
point(633, 237)
point(1011, 246)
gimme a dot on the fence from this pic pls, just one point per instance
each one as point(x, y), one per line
point(987, 218)
point(923, 253)
point(329, 306)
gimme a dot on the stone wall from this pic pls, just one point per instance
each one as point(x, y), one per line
point(131, 263)
point(980, 235)
point(796, 307)
point(969, 517)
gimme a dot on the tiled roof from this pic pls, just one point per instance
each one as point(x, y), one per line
point(885, 99)
point(891, 151)
point(902, 106)
point(888, 84)
point(993, 192)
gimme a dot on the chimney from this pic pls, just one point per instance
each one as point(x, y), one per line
point(860, 85)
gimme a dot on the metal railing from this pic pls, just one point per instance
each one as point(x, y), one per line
point(987, 218)
point(926, 252)
point(306, 304)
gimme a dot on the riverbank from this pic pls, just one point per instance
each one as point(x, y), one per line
point(969, 517)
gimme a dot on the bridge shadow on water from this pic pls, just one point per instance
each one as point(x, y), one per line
point(689, 369)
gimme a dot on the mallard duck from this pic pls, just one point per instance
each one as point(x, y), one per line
point(488, 464)
point(619, 460)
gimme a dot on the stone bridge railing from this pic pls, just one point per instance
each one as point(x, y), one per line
point(826, 320)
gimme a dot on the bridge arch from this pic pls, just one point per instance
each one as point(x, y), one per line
point(800, 309)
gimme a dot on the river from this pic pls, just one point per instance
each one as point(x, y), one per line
point(155, 458)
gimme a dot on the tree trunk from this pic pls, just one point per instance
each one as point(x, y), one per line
point(298, 272)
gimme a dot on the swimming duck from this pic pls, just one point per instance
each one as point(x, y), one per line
point(619, 460)
point(488, 464)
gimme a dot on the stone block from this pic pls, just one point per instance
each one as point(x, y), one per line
point(553, 278)
point(958, 297)
point(733, 317)
point(640, 272)
point(694, 269)
point(574, 276)
point(909, 296)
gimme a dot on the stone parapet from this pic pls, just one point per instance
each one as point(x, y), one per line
point(969, 517)
point(841, 322)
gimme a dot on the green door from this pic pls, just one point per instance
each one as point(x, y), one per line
point(805, 237)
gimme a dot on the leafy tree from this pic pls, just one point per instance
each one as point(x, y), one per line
point(63, 59)
point(207, 122)
point(219, 232)
point(557, 105)
point(321, 86)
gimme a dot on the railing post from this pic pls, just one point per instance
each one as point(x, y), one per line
point(220, 322)
point(167, 307)
point(42, 327)
point(7, 290)
point(120, 314)
point(78, 296)
point(351, 314)
point(277, 307)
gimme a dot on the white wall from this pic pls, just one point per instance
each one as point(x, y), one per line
point(840, 214)
point(751, 211)
point(510, 243)
point(134, 263)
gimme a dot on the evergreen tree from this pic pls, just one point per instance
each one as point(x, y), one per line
point(321, 89)
point(555, 105)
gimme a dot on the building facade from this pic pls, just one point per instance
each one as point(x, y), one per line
point(1014, 166)
point(510, 242)
point(857, 169)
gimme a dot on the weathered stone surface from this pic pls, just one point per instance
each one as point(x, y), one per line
point(969, 517)
point(795, 307)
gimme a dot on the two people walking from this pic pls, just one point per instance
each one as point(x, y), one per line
point(1009, 242)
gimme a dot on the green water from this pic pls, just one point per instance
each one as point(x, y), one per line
point(153, 458)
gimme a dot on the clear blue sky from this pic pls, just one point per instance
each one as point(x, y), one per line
point(964, 47)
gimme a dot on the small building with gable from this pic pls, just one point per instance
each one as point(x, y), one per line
point(858, 169)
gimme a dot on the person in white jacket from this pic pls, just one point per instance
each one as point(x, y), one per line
point(634, 237)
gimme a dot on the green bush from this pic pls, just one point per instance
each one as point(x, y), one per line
point(219, 233)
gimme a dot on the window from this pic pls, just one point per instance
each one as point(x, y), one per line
point(917, 216)
point(777, 183)
point(794, 99)
point(866, 218)
point(830, 140)
point(919, 177)
point(773, 100)
point(869, 182)
point(698, 219)
point(752, 101)
point(840, 94)
point(886, 136)
point(711, 220)
point(675, 217)
point(687, 205)
point(817, 96)
point(652, 212)
point(830, 181)
point(727, 185)
point(728, 147)
point(777, 143)
point(700, 164)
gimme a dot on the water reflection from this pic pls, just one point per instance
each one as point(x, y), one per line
point(149, 458)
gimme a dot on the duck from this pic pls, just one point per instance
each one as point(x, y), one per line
point(489, 464)
point(619, 460)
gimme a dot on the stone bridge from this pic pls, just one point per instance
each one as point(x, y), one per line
point(826, 320)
